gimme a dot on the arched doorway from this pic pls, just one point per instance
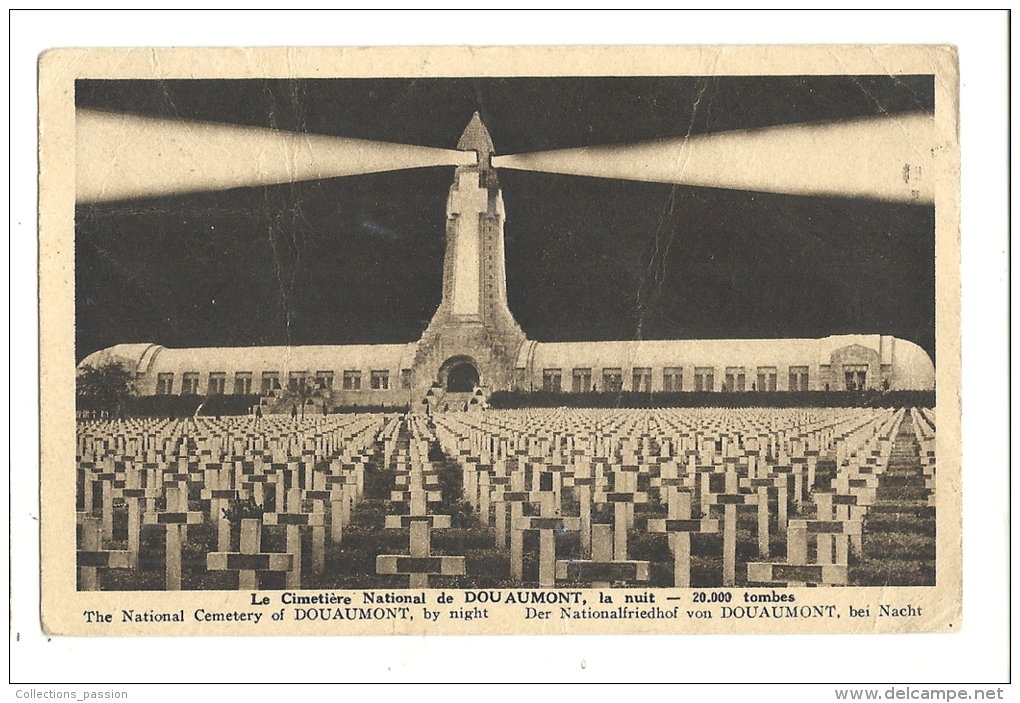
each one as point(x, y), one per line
point(459, 375)
point(462, 378)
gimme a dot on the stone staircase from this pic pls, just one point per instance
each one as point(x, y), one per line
point(899, 530)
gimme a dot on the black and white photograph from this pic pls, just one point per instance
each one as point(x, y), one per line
point(627, 351)
point(501, 346)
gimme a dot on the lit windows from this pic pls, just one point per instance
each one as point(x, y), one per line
point(581, 381)
point(165, 384)
point(296, 379)
point(217, 383)
point(767, 378)
point(324, 380)
point(189, 383)
point(352, 380)
point(798, 378)
point(642, 378)
point(552, 380)
point(612, 380)
point(736, 379)
point(380, 380)
point(704, 378)
point(270, 381)
point(672, 379)
point(855, 376)
point(242, 383)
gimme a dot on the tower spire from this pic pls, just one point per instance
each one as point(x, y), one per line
point(476, 138)
point(473, 325)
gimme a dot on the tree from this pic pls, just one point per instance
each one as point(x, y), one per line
point(306, 391)
point(104, 387)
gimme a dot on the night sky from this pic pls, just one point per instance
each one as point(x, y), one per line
point(359, 259)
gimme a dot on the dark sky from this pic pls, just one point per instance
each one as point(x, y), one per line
point(359, 259)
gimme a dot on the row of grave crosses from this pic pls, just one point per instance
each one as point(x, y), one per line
point(924, 431)
point(703, 481)
point(310, 482)
point(416, 484)
point(507, 496)
point(702, 490)
point(161, 441)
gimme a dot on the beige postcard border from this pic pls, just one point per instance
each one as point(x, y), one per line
point(63, 606)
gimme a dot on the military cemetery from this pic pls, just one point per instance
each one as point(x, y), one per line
point(392, 465)
point(543, 497)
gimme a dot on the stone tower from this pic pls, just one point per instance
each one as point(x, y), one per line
point(473, 339)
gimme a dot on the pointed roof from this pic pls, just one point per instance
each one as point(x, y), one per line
point(476, 138)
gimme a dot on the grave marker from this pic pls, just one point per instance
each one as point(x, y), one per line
point(679, 526)
point(91, 557)
point(174, 524)
point(602, 569)
point(250, 561)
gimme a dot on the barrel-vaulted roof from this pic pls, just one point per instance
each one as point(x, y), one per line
point(257, 359)
point(912, 364)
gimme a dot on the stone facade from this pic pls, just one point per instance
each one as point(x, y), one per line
point(874, 362)
point(473, 346)
point(473, 324)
